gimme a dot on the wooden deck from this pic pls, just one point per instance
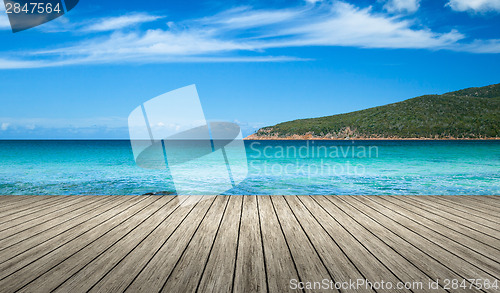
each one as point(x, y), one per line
point(247, 243)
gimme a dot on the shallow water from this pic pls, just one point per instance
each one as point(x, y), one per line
point(274, 167)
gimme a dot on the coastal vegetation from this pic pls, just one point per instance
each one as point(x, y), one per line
point(472, 113)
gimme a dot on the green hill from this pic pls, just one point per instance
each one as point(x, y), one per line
point(467, 113)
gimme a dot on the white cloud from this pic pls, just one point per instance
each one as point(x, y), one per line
point(339, 25)
point(115, 127)
point(151, 43)
point(15, 64)
point(4, 22)
point(245, 17)
point(62, 24)
point(475, 5)
point(346, 25)
point(248, 128)
point(244, 35)
point(409, 6)
point(62, 123)
point(314, 1)
point(481, 46)
point(103, 24)
point(4, 19)
point(119, 22)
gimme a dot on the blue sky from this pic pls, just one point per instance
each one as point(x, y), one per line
point(254, 62)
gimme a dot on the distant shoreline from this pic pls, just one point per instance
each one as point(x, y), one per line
point(251, 137)
point(468, 114)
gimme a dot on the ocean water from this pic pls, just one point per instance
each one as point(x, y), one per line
point(274, 167)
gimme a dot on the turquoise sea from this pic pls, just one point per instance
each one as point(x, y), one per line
point(274, 167)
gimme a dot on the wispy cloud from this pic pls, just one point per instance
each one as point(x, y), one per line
point(119, 22)
point(244, 34)
point(246, 17)
point(402, 5)
point(32, 123)
point(248, 128)
point(102, 24)
point(96, 127)
point(115, 127)
point(15, 64)
point(346, 25)
point(482, 46)
point(313, 1)
point(4, 19)
point(475, 5)
point(5, 126)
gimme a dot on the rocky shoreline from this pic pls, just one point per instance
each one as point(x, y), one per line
point(310, 137)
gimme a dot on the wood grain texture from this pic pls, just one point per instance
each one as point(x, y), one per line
point(10, 202)
point(460, 218)
point(43, 202)
point(189, 268)
point(338, 264)
point(454, 243)
point(250, 272)
point(157, 271)
point(410, 232)
point(125, 271)
point(473, 208)
point(243, 243)
point(490, 207)
point(280, 266)
point(25, 275)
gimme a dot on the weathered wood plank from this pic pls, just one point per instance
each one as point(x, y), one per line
point(418, 258)
point(494, 197)
point(38, 245)
point(25, 275)
point(309, 265)
point(338, 264)
point(24, 233)
point(188, 270)
point(487, 200)
point(243, 243)
point(485, 243)
point(437, 252)
point(220, 268)
point(460, 204)
point(452, 241)
point(280, 267)
point(8, 202)
point(478, 217)
point(250, 273)
point(464, 220)
point(18, 200)
point(153, 275)
point(56, 208)
point(97, 259)
point(45, 201)
point(492, 207)
point(376, 260)
point(41, 215)
point(61, 272)
point(126, 270)
point(29, 229)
